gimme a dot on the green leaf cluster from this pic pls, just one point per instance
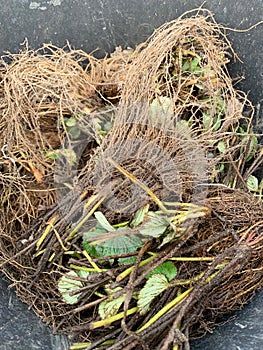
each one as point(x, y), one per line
point(254, 185)
point(67, 284)
point(212, 116)
point(167, 269)
point(248, 141)
point(155, 224)
point(191, 65)
point(102, 123)
point(159, 109)
point(67, 153)
point(72, 127)
point(113, 244)
point(157, 282)
point(111, 305)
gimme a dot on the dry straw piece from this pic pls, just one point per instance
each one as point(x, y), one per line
point(159, 206)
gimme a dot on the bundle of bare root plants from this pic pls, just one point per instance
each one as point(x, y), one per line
point(131, 208)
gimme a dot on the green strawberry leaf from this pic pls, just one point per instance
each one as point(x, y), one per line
point(108, 308)
point(139, 216)
point(252, 183)
point(67, 285)
point(154, 286)
point(167, 269)
point(155, 225)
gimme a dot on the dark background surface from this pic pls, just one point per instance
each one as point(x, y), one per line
point(105, 24)
point(20, 329)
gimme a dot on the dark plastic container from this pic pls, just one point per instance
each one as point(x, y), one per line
point(105, 24)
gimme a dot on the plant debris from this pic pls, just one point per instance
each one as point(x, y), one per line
point(131, 209)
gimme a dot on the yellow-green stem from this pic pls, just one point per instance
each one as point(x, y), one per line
point(173, 303)
point(108, 321)
point(139, 183)
point(52, 257)
point(185, 258)
point(165, 309)
point(82, 222)
point(50, 224)
point(86, 269)
point(93, 264)
point(79, 346)
point(126, 272)
point(188, 281)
